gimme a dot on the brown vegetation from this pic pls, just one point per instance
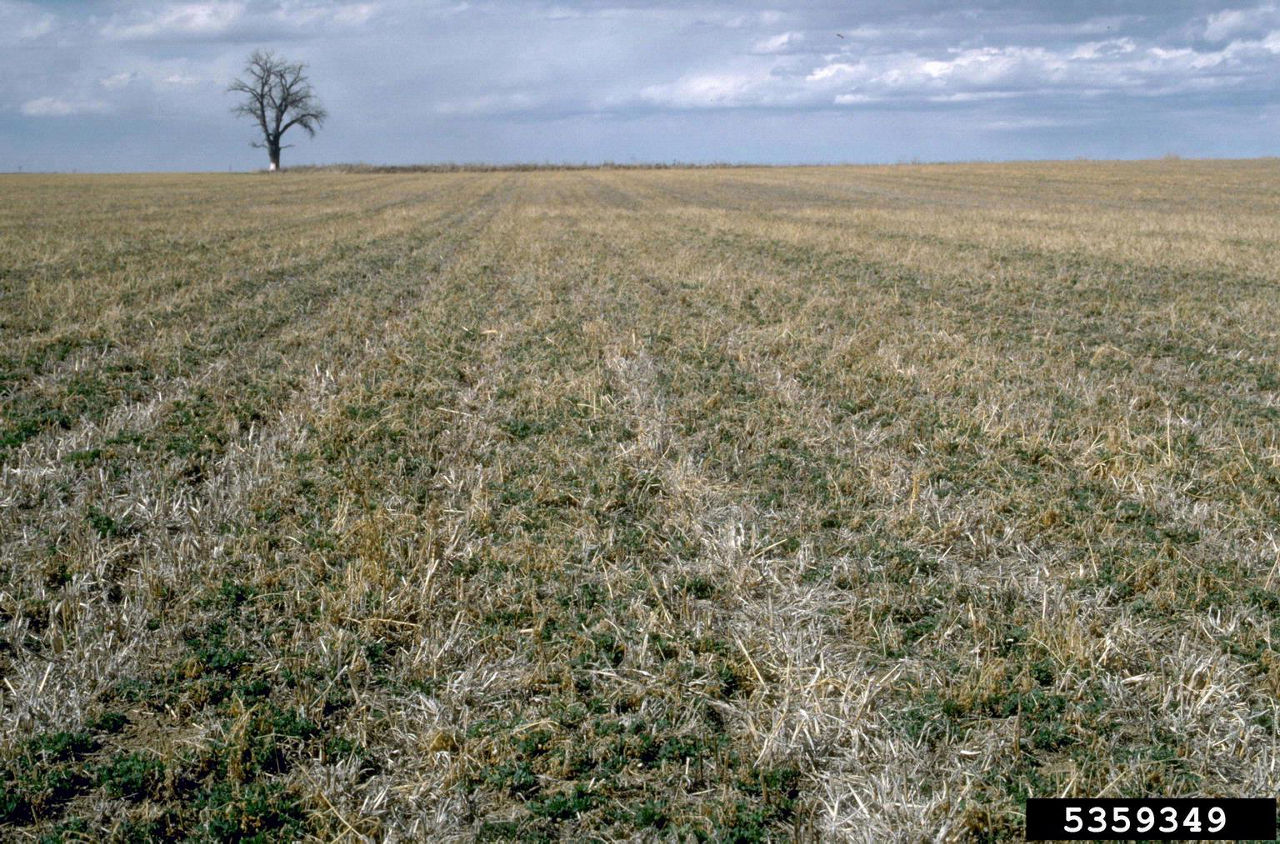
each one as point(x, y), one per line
point(830, 502)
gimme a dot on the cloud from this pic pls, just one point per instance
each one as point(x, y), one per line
point(778, 43)
point(835, 70)
point(853, 76)
point(1023, 124)
point(119, 80)
point(1104, 49)
point(57, 107)
point(711, 90)
point(21, 22)
point(147, 74)
point(854, 99)
point(489, 104)
point(1233, 23)
point(863, 33)
point(768, 17)
point(355, 14)
point(178, 21)
point(303, 15)
point(785, 82)
point(410, 78)
point(223, 19)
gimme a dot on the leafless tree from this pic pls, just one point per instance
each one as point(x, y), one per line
point(278, 96)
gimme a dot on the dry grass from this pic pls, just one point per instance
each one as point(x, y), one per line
point(851, 502)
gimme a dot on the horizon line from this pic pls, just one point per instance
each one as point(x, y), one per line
point(478, 167)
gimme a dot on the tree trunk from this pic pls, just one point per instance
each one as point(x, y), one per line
point(273, 150)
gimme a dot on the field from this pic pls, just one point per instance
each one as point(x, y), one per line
point(742, 503)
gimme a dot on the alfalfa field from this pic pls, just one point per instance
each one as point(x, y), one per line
point(742, 504)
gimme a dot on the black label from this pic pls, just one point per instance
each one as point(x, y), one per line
point(1152, 818)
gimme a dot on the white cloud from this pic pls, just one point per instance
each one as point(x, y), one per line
point(1021, 124)
point(119, 80)
point(354, 14)
point(57, 107)
point(179, 20)
point(973, 75)
point(778, 43)
point(961, 72)
point(217, 19)
point(768, 17)
point(23, 22)
point(978, 96)
point(1231, 23)
point(1242, 49)
point(711, 90)
point(1184, 57)
point(310, 14)
point(152, 74)
point(626, 62)
point(1102, 49)
point(831, 71)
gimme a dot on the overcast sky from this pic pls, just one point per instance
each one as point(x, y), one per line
point(141, 86)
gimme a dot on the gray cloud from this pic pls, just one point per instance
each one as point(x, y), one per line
point(233, 20)
point(57, 107)
point(567, 80)
point(1237, 23)
point(22, 22)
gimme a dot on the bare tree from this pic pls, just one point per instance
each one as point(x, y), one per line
point(278, 96)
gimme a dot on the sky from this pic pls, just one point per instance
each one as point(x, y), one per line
point(119, 85)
